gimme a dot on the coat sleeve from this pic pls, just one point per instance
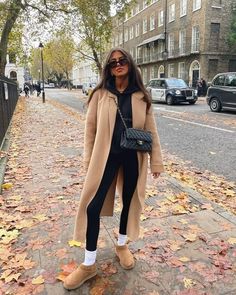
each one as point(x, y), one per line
point(90, 129)
point(156, 163)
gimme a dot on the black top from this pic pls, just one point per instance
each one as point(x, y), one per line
point(124, 102)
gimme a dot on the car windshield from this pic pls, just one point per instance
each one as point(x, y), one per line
point(176, 83)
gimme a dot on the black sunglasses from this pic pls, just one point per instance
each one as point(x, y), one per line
point(122, 61)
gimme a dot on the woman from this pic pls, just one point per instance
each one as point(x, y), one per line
point(108, 166)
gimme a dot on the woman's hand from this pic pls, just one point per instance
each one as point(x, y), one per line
point(156, 174)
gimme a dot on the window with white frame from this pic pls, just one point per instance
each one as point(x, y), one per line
point(131, 32)
point(152, 22)
point(145, 53)
point(195, 38)
point(181, 70)
point(171, 70)
point(137, 30)
point(144, 25)
point(160, 18)
point(139, 52)
point(197, 4)
point(152, 72)
point(182, 41)
point(126, 34)
point(183, 8)
point(171, 12)
point(171, 44)
point(144, 74)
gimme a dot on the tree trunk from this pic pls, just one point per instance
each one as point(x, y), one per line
point(13, 13)
point(98, 62)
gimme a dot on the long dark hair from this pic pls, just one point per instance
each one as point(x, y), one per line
point(134, 75)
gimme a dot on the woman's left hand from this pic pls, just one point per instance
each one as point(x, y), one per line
point(156, 174)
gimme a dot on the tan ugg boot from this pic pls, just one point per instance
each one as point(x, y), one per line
point(125, 256)
point(79, 276)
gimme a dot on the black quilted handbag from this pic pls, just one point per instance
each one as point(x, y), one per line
point(135, 139)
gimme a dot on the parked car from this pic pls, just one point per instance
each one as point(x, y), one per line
point(222, 92)
point(88, 87)
point(171, 91)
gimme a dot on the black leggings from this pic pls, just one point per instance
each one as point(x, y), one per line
point(129, 161)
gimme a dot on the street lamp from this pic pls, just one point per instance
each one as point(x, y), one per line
point(41, 50)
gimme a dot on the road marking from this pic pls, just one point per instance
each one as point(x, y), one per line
point(199, 124)
point(169, 111)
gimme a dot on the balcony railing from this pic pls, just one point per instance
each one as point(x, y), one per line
point(185, 50)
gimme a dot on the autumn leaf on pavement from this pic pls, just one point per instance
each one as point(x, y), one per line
point(190, 237)
point(232, 241)
point(74, 243)
point(188, 283)
point(7, 185)
point(38, 281)
point(108, 269)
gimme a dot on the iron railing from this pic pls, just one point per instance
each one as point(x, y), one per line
point(8, 101)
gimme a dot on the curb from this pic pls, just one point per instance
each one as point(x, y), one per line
point(3, 161)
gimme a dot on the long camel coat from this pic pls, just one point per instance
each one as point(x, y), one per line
point(100, 122)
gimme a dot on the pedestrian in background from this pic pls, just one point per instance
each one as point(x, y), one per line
point(109, 166)
point(199, 88)
point(26, 90)
point(204, 87)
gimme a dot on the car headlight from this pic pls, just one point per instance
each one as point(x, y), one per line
point(178, 92)
point(195, 91)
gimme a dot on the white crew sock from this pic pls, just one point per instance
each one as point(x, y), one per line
point(89, 257)
point(121, 240)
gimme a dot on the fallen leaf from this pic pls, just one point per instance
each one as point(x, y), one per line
point(38, 281)
point(74, 243)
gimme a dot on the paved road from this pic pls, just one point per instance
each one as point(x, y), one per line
point(191, 132)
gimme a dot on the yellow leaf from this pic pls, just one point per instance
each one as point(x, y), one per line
point(183, 221)
point(143, 217)
point(38, 281)
point(212, 153)
point(12, 277)
point(184, 259)
point(229, 193)
point(232, 241)
point(190, 237)
point(74, 243)
point(7, 185)
point(40, 217)
point(188, 283)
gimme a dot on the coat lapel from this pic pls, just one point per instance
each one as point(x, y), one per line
point(112, 112)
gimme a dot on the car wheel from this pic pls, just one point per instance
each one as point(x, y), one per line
point(169, 100)
point(192, 102)
point(215, 105)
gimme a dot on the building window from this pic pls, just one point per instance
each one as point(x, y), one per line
point(160, 18)
point(195, 39)
point(182, 41)
point(212, 68)
point(144, 26)
point(183, 7)
point(152, 72)
point(131, 32)
point(214, 36)
point(171, 70)
point(197, 4)
point(137, 30)
point(144, 72)
point(152, 22)
point(171, 13)
point(171, 44)
point(139, 52)
point(126, 35)
point(181, 70)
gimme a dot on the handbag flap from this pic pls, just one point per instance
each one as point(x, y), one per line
point(138, 134)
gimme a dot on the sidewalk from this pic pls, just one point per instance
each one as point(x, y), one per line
point(187, 245)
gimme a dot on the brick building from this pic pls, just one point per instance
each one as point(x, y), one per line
point(179, 38)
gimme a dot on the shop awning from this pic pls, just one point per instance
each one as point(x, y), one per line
point(152, 39)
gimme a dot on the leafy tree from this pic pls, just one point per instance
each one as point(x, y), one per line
point(14, 9)
point(58, 58)
point(94, 26)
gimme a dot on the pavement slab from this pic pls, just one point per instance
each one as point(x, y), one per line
point(187, 244)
